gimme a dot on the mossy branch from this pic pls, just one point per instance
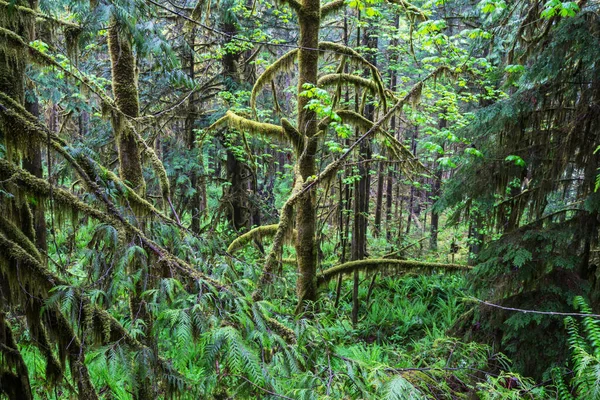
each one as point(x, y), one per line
point(411, 9)
point(284, 228)
point(257, 233)
point(332, 7)
point(286, 131)
point(45, 59)
point(21, 119)
point(37, 14)
point(358, 81)
point(384, 263)
point(294, 4)
point(400, 152)
point(282, 64)
point(334, 166)
point(349, 52)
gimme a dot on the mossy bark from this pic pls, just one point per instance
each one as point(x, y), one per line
point(239, 173)
point(309, 19)
point(125, 92)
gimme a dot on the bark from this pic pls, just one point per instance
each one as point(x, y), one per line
point(361, 190)
point(379, 200)
point(435, 193)
point(195, 181)
point(240, 212)
point(309, 19)
point(125, 92)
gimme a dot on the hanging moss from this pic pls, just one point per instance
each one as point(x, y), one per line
point(332, 7)
point(411, 9)
point(125, 92)
point(15, 234)
point(281, 65)
point(339, 78)
point(258, 128)
point(286, 333)
point(384, 264)
point(349, 52)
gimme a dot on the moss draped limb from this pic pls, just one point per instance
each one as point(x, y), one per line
point(411, 9)
point(36, 14)
point(126, 121)
point(384, 263)
point(269, 130)
point(257, 233)
point(353, 54)
point(283, 64)
point(332, 7)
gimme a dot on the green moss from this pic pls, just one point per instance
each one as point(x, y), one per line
point(281, 65)
point(385, 264)
point(125, 92)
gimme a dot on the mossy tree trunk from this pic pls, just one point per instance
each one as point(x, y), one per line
point(125, 92)
point(309, 19)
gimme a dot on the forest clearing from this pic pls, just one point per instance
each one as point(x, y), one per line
point(299, 199)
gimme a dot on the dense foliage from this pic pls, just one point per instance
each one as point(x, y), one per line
point(300, 199)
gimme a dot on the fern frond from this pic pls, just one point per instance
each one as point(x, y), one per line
point(400, 389)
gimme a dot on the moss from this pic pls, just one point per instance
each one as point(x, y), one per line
point(358, 81)
point(286, 333)
point(331, 7)
point(258, 128)
point(413, 11)
point(20, 11)
point(385, 264)
point(254, 234)
point(354, 55)
point(283, 64)
point(125, 92)
point(15, 234)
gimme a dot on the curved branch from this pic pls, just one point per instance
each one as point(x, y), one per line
point(332, 7)
point(411, 9)
point(257, 233)
point(384, 263)
point(349, 52)
point(282, 64)
point(286, 131)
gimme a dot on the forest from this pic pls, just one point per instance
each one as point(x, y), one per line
point(299, 199)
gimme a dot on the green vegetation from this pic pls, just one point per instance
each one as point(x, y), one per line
point(299, 200)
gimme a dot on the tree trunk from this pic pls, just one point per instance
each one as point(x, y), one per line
point(309, 19)
point(240, 213)
point(435, 193)
point(361, 190)
point(125, 92)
